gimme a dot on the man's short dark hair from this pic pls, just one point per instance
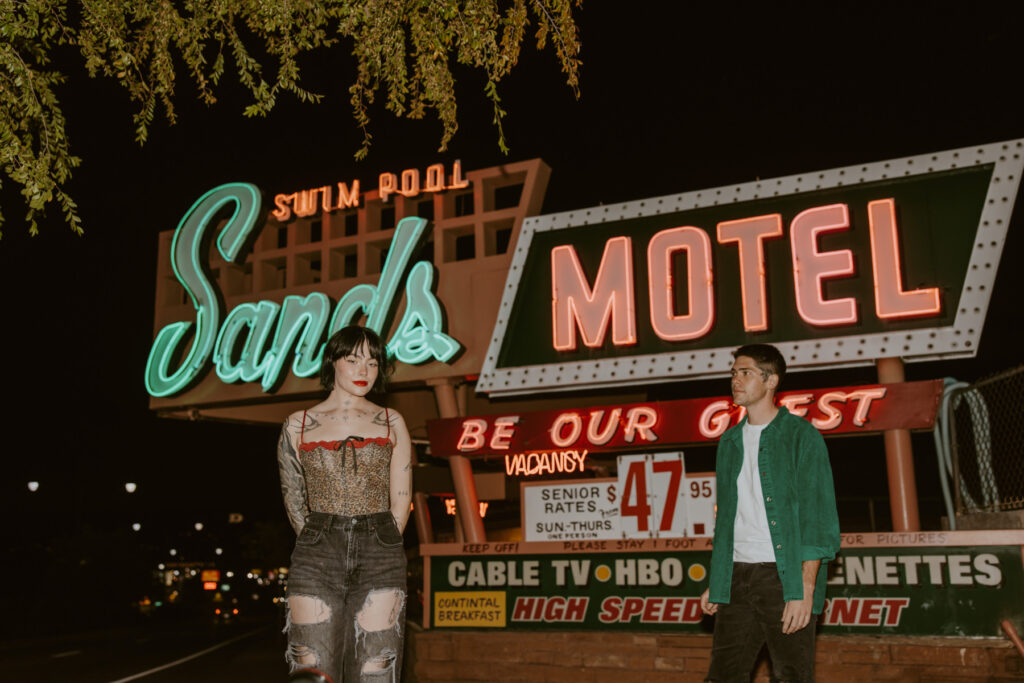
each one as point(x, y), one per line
point(767, 358)
point(347, 341)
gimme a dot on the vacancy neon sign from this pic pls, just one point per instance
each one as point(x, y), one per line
point(554, 462)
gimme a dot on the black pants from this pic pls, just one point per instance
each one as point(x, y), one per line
point(343, 563)
point(753, 618)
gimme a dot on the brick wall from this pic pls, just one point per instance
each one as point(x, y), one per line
point(439, 655)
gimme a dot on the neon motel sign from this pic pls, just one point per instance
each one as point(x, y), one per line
point(255, 342)
point(610, 302)
point(827, 266)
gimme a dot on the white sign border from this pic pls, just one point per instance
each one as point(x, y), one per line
point(936, 343)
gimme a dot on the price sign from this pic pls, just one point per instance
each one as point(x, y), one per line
point(700, 505)
point(570, 510)
point(653, 499)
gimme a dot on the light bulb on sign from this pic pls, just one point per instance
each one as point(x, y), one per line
point(449, 506)
point(199, 526)
point(33, 486)
point(136, 526)
point(130, 487)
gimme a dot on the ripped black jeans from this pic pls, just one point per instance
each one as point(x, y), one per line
point(346, 598)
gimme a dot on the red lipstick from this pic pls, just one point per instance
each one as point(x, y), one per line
point(360, 382)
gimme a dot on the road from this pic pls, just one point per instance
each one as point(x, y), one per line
point(249, 651)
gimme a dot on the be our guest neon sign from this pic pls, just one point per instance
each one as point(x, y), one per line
point(255, 341)
point(560, 441)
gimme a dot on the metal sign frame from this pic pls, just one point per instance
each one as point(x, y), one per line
point(959, 340)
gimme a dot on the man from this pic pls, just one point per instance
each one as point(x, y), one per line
point(776, 529)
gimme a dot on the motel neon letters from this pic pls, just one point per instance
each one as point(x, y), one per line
point(610, 305)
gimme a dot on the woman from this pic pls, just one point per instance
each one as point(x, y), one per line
point(346, 477)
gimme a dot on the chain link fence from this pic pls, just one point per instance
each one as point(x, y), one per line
point(987, 443)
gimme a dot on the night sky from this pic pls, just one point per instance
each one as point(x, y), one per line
point(674, 98)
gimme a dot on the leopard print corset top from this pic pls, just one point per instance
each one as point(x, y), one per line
point(348, 477)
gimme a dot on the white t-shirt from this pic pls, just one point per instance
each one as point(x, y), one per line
point(752, 541)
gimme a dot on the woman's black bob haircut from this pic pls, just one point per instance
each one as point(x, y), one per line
point(346, 342)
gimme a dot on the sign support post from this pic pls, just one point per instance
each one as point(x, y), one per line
point(466, 503)
point(899, 460)
point(421, 515)
point(421, 511)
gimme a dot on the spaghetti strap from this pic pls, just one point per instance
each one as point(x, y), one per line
point(302, 434)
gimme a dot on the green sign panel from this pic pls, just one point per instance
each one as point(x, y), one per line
point(631, 591)
point(949, 591)
point(836, 268)
point(937, 216)
point(952, 591)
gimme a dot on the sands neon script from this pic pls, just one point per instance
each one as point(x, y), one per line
point(256, 341)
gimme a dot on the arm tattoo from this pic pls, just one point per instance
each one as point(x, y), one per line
point(293, 482)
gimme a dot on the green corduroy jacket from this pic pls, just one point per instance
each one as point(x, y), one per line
point(799, 498)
